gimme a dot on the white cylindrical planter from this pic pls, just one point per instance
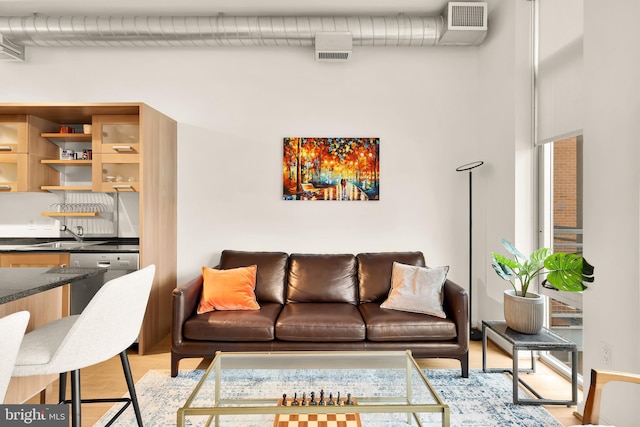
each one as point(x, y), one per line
point(524, 314)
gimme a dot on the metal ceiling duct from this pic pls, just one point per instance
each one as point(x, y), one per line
point(222, 30)
point(145, 31)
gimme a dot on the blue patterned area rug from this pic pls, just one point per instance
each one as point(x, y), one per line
point(482, 400)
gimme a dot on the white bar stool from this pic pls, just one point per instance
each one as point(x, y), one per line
point(12, 329)
point(106, 327)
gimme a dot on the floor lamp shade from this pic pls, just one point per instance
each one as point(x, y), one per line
point(474, 334)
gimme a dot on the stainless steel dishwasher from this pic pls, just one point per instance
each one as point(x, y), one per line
point(115, 264)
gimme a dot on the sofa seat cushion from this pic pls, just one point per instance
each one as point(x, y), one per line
point(392, 325)
point(252, 325)
point(320, 322)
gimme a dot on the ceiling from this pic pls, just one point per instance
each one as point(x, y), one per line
point(227, 7)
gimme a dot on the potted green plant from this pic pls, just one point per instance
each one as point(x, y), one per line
point(524, 310)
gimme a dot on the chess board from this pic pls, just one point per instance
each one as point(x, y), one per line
point(317, 420)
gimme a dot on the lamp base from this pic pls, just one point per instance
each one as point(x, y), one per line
point(475, 334)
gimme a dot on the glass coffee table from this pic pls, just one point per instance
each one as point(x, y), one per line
point(374, 388)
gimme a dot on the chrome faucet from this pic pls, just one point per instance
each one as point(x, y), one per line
point(78, 236)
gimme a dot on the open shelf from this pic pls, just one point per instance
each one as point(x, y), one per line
point(70, 137)
point(66, 187)
point(67, 162)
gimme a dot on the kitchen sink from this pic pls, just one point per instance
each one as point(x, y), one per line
point(64, 244)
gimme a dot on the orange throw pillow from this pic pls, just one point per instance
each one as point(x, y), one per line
point(231, 289)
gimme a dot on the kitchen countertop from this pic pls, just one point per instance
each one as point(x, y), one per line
point(92, 245)
point(16, 283)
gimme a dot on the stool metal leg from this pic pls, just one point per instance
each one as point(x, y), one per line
point(62, 390)
point(130, 385)
point(76, 414)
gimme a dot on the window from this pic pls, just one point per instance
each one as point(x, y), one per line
point(561, 230)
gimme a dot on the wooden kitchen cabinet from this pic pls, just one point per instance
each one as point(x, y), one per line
point(13, 134)
point(116, 134)
point(14, 172)
point(130, 140)
point(116, 153)
point(53, 259)
point(116, 172)
point(21, 151)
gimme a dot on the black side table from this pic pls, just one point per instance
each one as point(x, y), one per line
point(544, 341)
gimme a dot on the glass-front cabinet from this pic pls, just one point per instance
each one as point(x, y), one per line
point(116, 153)
point(13, 134)
point(21, 152)
point(13, 140)
point(13, 172)
point(116, 134)
point(116, 172)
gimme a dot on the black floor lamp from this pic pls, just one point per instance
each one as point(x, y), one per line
point(474, 334)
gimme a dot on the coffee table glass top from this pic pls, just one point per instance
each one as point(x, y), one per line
point(387, 388)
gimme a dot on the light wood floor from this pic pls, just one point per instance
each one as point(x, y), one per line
point(106, 379)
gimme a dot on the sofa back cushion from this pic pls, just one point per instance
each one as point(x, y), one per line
point(374, 272)
point(322, 278)
point(271, 274)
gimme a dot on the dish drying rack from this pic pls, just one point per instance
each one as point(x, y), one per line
point(96, 213)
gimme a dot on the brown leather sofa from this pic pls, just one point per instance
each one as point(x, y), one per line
point(319, 302)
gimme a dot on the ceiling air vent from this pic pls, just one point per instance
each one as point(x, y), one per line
point(465, 23)
point(333, 56)
point(333, 46)
point(10, 51)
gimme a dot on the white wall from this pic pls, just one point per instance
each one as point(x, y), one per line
point(235, 105)
point(612, 198)
point(503, 207)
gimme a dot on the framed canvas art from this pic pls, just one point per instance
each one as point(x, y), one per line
point(331, 169)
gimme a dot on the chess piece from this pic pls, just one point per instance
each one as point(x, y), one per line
point(331, 402)
point(313, 399)
point(339, 400)
point(295, 399)
point(284, 399)
point(349, 401)
point(322, 397)
point(304, 398)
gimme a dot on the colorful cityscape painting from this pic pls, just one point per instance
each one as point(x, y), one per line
point(331, 169)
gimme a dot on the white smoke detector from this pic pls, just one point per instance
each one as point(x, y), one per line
point(333, 46)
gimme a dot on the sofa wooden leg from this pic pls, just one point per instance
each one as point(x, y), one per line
point(464, 363)
point(175, 362)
